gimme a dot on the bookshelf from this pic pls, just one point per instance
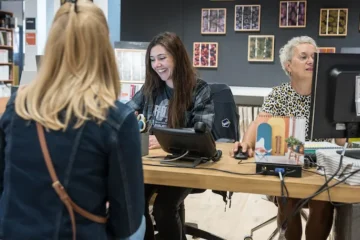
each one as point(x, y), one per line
point(7, 25)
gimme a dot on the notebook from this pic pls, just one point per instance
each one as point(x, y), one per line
point(311, 147)
point(280, 140)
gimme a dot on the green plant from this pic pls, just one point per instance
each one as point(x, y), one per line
point(291, 141)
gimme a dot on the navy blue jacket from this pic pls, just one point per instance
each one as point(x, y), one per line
point(95, 163)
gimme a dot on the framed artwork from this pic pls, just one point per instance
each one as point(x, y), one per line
point(205, 54)
point(333, 22)
point(327, 49)
point(131, 65)
point(292, 14)
point(213, 20)
point(247, 17)
point(261, 48)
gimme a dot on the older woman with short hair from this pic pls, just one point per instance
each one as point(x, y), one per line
point(293, 99)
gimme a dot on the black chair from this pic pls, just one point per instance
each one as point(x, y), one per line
point(225, 129)
point(226, 122)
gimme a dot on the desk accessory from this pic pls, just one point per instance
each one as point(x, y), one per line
point(280, 145)
point(142, 122)
point(144, 135)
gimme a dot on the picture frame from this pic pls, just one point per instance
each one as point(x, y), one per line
point(292, 14)
point(213, 21)
point(327, 49)
point(247, 18)
point(333, 22)
point(205, 54)
point(131, 65)
point(261, 48)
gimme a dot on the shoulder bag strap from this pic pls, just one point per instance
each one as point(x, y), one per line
point(60, 190)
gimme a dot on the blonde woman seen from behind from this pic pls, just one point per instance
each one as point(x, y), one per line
point(93, 140)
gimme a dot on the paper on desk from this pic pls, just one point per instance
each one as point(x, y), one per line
point(329, 159)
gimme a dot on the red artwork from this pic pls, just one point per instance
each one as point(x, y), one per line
point(205, 54)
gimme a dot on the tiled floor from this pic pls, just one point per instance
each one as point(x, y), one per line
point(247, 211)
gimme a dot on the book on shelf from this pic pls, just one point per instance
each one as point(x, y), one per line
point(5, 38)
point(7, 20)
point(4, 56)
point(4, 73)
point(128, 91)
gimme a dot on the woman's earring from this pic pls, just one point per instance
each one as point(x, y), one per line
point(290, 74)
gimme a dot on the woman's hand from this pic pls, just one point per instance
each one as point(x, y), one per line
point(153, 142)
point(245, 148)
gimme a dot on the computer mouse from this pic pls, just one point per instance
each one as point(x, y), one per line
point(241, 155)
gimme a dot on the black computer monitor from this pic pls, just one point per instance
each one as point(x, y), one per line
point(333, 110)
point(189, 145)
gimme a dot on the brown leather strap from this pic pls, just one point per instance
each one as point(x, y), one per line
point(60, 190)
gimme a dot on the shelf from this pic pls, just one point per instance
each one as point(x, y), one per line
point(6, 29)
point(4, 46)
point(5, 12)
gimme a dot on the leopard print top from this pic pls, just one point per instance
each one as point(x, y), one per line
point(285, 101)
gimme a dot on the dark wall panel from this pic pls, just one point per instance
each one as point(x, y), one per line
point(184, 18)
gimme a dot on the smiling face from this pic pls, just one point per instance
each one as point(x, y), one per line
point(300, 67)
point(162, 63)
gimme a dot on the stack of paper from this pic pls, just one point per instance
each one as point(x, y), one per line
point(330, 159)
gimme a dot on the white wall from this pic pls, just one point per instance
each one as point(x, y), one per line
point(104, 5)
point(31, 11)
point(44, 12)
point(41, 26)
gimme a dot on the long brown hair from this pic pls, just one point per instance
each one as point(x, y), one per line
point(78, 73)
point(183, 76)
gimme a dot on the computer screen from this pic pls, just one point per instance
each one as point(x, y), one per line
point(188, 142)
point(333, 109)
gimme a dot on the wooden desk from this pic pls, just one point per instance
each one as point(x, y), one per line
point(258, 184)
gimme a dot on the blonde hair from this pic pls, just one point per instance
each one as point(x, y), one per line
point(287, 51)
point(78, 78)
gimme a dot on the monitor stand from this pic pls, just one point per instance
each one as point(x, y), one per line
point(352, 131)
point(187, 161)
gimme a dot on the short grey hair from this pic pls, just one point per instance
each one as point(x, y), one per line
point(287, 51)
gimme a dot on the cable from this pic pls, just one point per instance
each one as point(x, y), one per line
point(176, 158)
point(304, 201)
point(337, 183)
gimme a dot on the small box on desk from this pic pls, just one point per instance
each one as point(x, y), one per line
point(144, 138)
point(287, 170)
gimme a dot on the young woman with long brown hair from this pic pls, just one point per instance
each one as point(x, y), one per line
point(174, 97)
